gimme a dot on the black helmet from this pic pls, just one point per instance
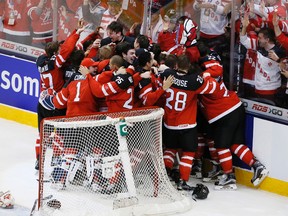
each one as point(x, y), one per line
point(200, 192)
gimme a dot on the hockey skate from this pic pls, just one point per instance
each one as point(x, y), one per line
point(226, 182)
point(37, 164)
point(174, 175)
point(182, 185)
point(196, 171)
point(260, 173)
point(213, 175)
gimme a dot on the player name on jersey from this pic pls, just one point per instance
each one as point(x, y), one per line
point(266, 110)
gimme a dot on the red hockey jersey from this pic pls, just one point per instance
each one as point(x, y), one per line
point(170, 41)
point(15, 18)
point(220, 103)
point(116, 98)
point(122, 100)
point(76, 97)
point(181, 99)
point(148, 92)
point(66, 23)
point(51, 73)
point(41, 23)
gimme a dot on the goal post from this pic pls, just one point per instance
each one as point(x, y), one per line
point(106, 164)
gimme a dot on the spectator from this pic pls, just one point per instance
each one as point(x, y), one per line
point(115, 13)
point(16, 24)
point(169, 39)
point(280, 36)
point(41, 16)
point(179, 36)
point(267, 73)
point(156, 24)
point(213, 20)
point(92, 12)
point(67, 20)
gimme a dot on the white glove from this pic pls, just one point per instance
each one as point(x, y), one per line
point(6, 200)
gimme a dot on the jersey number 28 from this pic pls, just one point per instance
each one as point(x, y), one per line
point(179, 98)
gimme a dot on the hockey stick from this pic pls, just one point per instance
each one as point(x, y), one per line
point(35, 203)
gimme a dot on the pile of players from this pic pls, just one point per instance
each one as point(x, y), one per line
point(120, 73)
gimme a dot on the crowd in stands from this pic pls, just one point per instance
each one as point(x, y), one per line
point(176, 64)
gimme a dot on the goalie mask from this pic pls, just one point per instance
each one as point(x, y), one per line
point(200, 192)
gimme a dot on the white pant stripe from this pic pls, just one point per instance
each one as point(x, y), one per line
point(225, 159)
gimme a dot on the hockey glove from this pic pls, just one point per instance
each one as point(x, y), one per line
point(6, 200)
point(46, 99)
point(124, 80)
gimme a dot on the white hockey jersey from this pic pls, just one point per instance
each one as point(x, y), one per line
point(212, 22)
point(267, 71)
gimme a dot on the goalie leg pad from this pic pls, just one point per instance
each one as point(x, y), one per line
point(108, 166)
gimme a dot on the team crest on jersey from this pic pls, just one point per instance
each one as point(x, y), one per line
point(46, 15)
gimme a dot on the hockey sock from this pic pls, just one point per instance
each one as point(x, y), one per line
point(115, 179)
point(186, 163)
point(225, 160)
point(57, 145)
point(200, 147)
point(244, 153)
point(169, 157)
point(212, 150)
point(37, 147)
point(136, 157)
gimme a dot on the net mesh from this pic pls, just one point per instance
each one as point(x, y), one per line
point(106, 164)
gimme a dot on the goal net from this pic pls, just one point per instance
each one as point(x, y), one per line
point(106, 164)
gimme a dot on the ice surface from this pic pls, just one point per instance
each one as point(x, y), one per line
point(17, 174)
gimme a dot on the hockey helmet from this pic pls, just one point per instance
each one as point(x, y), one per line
point(200, 192)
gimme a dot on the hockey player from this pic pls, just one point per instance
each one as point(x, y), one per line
point(210, 62)
point(149, 91)
point(179, 131)
point(78, 96)
point(119, 99)
point(226, 116)
point(52, 76)
point(116, 35)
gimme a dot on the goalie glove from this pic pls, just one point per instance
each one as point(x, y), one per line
point(46, 99)
point(6, 200)
point(123, 80)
